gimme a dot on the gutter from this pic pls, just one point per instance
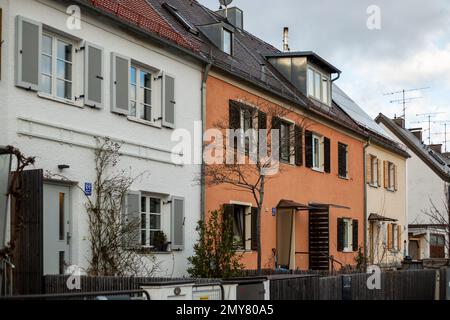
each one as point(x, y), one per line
point(202, 174)
point(366, 216)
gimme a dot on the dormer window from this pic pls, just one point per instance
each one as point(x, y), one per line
point(227, 44)
point(318, 85)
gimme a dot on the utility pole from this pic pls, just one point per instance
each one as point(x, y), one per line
point(404, 99)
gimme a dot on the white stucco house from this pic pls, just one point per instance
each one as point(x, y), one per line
point(428, 178)
point(120, 72)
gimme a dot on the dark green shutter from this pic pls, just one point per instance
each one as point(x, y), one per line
point(276, 125)
point(327, 160)
point(355, 235)
point(254, 230)
point(308, 149)
point(298, 146)
point(340, 234)
point(342, 160)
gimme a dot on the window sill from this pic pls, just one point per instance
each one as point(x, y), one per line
point(373, 186)
point(347, 251)
point(60, 100)
point(344, 178)
point(144, 122)
point(390, 190)
point(318, 170)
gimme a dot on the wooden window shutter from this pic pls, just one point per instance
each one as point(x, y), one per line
point(234, 116)
point(342, 160)
point(93, 75)
point(177, 223)
point(368, 169)
point(120, 83)
point(340, 234)
point(298, 145)
point(386, 174)
point(327, 154)
point(168, 110)
point(254, 229)
point(399, 237)
point(131, 222)
point(379, 172)
point(28, 53)
point(308, 149)
point(355, 243)
point(395, 178)
point(276, 125)
point(390, 235)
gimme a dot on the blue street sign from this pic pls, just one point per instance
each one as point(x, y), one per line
point(88, 189)
point(274, 211)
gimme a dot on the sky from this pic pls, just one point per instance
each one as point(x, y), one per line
point(406, 46)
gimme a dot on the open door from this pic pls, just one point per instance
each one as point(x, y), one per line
point(285, 237)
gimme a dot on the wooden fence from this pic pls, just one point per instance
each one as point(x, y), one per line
point(395, 285)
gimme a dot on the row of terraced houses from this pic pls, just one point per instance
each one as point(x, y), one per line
point(137, 71)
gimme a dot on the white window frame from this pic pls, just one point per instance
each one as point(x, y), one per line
point(247, 224)
point(312, 91)
point(348, 229)
point(319, 157)
point(139, 99)
point(224, 31)
point(55, 39)
point(147, 214)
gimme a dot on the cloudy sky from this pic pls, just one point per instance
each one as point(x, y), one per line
point(410, 50)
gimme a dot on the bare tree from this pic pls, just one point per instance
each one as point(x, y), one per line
point(253, 176)
point(441, 216)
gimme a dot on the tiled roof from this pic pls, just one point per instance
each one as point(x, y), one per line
point(437, 162)
point(143, 15)
point(248, 58)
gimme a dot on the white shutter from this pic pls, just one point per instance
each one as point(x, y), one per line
point(132, 220)
point(177, 223)
point(120, 82)
point(28, 52)
point(93, 75)
point(168, 101)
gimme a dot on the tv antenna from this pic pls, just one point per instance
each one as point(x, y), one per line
point(404, 98)
point(428, 120)
point(446, 124)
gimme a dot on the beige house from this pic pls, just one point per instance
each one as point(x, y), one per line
point(386, 223)
point(387, 226)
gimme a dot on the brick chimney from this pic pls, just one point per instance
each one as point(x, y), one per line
point(400, 122)
point(436, 148)
point(417, 132)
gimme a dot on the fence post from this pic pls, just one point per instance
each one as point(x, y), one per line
point(437, 283)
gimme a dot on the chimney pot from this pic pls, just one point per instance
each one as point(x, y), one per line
point(417, 132)
point(400, 122)
point(286, 40)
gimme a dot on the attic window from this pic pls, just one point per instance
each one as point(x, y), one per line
point(227, 44)
point(319, 86)
point(177, 15)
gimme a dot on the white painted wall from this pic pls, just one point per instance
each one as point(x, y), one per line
point(57, 133)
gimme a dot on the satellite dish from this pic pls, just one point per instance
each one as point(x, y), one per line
point(225, 3)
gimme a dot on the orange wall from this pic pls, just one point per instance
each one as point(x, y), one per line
point(299, 184)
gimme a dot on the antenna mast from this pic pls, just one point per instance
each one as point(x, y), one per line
point(404, 99)
point(428, 116)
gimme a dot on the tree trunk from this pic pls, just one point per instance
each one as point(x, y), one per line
point(258, 223)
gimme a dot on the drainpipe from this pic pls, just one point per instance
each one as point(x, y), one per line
point(202, 174)
point(365, 195)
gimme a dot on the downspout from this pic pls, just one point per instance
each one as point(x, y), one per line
point(365, 195)
point(202, 173)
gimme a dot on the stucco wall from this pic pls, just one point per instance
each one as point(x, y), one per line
point(299, 184)
point(52, 131)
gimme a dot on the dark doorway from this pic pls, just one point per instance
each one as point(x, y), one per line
point(414, 249)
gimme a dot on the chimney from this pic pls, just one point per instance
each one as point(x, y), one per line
point(286, 40)
point(235, 16)
point(446, 154)
point(436, 148)
point(417, 132)
point(400, 122)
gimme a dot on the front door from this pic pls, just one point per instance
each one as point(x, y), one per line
point(56, 228)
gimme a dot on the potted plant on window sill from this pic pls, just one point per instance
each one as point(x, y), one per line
point(160, 243)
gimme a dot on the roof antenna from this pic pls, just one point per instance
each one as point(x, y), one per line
point(225, 3)
point(286, 40)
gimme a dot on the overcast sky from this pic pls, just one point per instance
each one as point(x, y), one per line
point(411, 50)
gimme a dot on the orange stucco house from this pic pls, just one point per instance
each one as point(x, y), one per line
point(313, 211)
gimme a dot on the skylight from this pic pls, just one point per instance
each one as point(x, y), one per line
point(174, 12)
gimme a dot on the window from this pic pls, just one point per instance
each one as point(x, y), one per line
point(141, 94)
point(316, 152)
point(342, 160)
point(56, 67)
point(348, 243)
point(247, 117)
point(238, 218)
point(243, 222)
point(318, 86)
point(391, 176)
point(227, 42)
point(150, 219)
point(285, 139)
point(374, 171)
point(395, 236)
